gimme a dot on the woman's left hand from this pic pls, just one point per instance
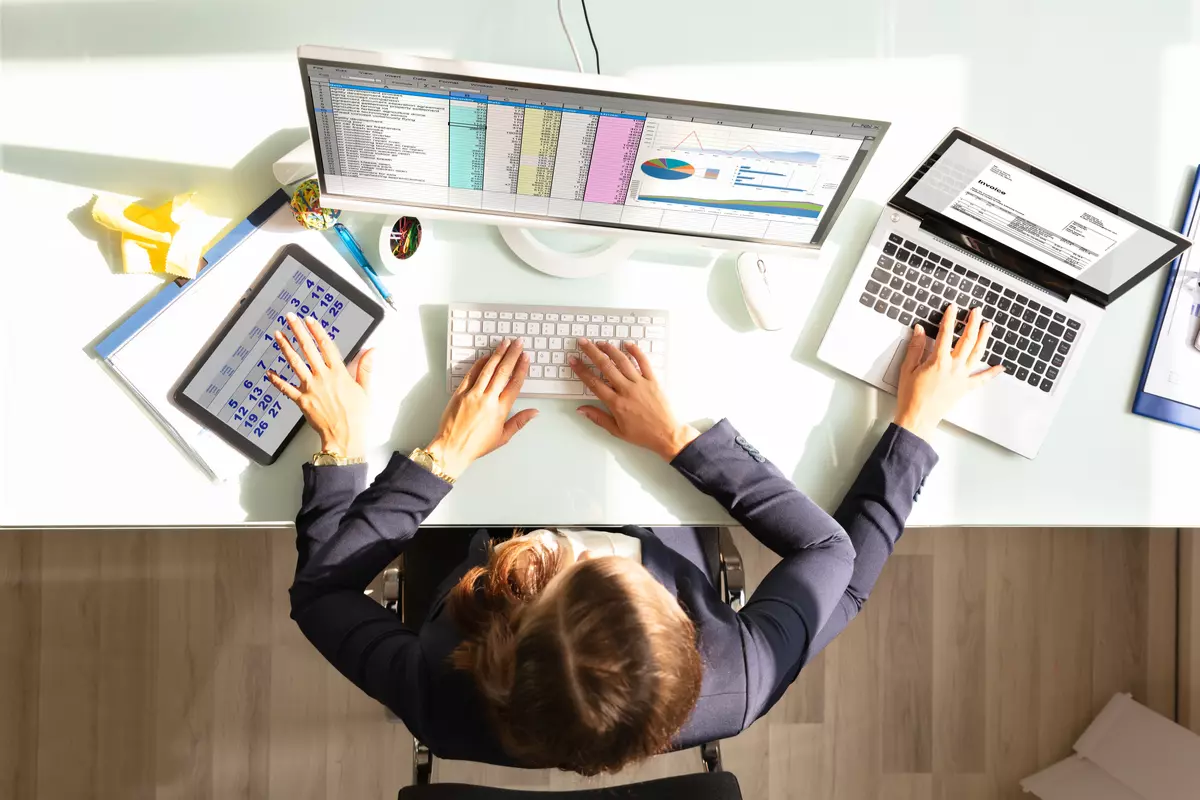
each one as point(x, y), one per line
point(333, 401)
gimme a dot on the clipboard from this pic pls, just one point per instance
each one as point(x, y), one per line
point(1155, 406)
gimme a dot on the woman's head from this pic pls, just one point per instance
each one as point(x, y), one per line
point(585, 665)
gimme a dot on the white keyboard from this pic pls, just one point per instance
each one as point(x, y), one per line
point(550, 336)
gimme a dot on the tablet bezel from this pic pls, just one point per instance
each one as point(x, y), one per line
point(209, 420)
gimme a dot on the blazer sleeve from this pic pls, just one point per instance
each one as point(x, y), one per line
point(345, 536)
point(874, 513)
point(797, 597)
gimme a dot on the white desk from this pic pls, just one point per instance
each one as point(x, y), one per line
point(218, 99)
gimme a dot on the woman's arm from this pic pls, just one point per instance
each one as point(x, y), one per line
point(796, 598)
point(876, 507)
point(346, 535)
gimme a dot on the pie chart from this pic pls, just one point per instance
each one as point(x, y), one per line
point(668, 169)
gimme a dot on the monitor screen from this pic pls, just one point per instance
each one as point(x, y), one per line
point(575, 155)
point(1086, 241)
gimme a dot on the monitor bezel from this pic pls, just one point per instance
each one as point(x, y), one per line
point(1009, 258)
point(551, 80)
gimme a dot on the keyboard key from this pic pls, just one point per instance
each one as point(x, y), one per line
point(881, 306)
point(979, 291)
point(960, 269)
point(1069, 335)
point(1030, 314)
point(994, 359)
point(909, 245)
point(1033, 380)
point(922, 312)
point(910, 305)
point(1034, 306)
point(1009, 366)
point(953, 280)
point(984, 280)
point(1064, 348)
point(931, 330)
point(972, 276)
point(922, 252)
point(940, 273)
point(1054, 328)
point(1010, 337)
point(989, 312)
point(1026, 329)
point(906, 319)
point(1004, 303)
point(929, 266)
point(1059, 317)
point(1049, 345)
point(1036, 335)
point(1001, 318)
point(925, 281)
point(1042, 322)
point(1051, 373)
point(880, 275)
point(896, 238)
point(893, 312)
point(903, 255)
point(963, 299)
point(1046, 385)
point(1073, 324)
point(922, 295)
point(1023, 343)
point(1022, 373)
point(1009, 293)
point(1057, 360)
point(966, 286)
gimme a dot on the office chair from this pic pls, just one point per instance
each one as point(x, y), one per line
point(409, 588)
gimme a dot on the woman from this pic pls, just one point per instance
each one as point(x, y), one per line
point(589, 650)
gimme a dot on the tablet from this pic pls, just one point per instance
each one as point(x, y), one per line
point(226, 388)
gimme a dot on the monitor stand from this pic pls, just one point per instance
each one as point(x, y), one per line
point(564, 263)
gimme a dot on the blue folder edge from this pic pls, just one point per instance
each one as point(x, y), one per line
point(165, 296)
point(1152, 405)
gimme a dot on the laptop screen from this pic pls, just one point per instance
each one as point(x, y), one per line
point(1018, 213)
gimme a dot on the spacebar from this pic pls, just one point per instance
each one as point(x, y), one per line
point(551, 387)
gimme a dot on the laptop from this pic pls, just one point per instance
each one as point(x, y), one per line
point(1042, 257)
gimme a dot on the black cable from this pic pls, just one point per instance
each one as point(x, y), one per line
point(595, 49)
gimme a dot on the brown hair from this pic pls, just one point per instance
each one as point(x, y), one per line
point(586, 666)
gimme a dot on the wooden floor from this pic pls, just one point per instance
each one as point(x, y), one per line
point(163, 664)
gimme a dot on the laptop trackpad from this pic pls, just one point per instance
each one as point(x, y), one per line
point(891, 375)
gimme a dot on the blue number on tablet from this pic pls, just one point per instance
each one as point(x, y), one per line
point(256, 392)
point(232, 403)
point(275, 409)
point(261, 365)
point(265, 401)
point(250, 420)
point(333, 332)
point(325, 324)
point(240, 415)
point(247, 384)
point(310, 283)
point(304, 310)
point(271, 339)
point(295, 301)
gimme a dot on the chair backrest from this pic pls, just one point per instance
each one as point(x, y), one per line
point(700, 786)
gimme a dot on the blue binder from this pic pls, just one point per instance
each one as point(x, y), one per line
point(1154, 406)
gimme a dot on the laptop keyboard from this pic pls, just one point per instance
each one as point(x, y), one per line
point(911, 285)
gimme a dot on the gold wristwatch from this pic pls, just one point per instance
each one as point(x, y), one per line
point(426, 460)
point(328, 458)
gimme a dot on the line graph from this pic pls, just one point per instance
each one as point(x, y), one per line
point(796, 156)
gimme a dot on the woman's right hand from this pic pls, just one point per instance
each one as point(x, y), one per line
point(476, 420)
point(929, 387)
point(639, 411)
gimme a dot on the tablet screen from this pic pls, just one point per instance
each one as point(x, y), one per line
point(231, 384)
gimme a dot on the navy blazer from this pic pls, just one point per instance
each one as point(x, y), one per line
point(347, 534)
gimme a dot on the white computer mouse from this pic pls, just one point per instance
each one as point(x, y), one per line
point(754, 276)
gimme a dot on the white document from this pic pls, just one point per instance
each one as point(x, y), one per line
point(1038, 219)
point(1175, 366)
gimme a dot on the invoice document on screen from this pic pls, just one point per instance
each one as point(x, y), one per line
point(1038, 219)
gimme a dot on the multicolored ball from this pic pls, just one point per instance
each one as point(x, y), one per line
point(306, 206)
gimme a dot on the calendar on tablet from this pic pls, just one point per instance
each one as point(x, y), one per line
point(227, 386)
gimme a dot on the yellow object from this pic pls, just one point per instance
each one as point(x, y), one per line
point(168, 240)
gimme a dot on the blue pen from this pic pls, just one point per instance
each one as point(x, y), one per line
point(356, 251)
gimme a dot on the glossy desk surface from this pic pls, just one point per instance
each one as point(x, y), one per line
point(161, 101)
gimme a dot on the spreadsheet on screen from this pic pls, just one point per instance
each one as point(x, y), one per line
point(582, 156)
